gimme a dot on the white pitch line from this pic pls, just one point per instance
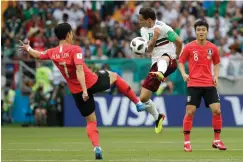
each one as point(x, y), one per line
point(115, 142)
point(118, 150)
point(136, 160)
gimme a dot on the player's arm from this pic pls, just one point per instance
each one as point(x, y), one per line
point(183, 72)
point(36, 54)
point(152, 42)
point(216, 75)
point(182, 59)
point(81, 77)
point(80, 71)
point(173, 37)
point(216, 62)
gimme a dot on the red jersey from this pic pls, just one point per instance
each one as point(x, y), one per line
point(66, 57)
point(200, 59)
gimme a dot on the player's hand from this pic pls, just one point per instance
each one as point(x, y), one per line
point(185, 77)
point(24, 46)
point(215, 80)
point(85, 96)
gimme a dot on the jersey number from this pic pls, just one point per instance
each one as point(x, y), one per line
point(65, 68)
point(195, 56)
point(150, 36)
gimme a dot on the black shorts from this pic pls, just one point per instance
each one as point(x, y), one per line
point(195, 94)
point(88, 107)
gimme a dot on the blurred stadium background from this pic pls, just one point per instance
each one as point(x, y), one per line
point(104, 29)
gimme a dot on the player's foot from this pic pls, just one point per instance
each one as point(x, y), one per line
point(187, 147)
point(158, 123)
point(140, 106)
point(159, 75)
point(219, 145)
point(98, 153)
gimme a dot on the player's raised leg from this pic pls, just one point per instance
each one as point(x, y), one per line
point(125, 89)
point(217, 126)
point(187, 126)
point(145, 96)
point(162, 64)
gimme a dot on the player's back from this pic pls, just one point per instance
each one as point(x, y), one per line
point(66, 57)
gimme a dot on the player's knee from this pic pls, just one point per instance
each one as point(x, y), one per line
point(166, 58)
point(91, 117)
point(217, 112)
point(190, 112)
point(143, 98)
point(113, 76)
point(37, 111)
point(43, 111)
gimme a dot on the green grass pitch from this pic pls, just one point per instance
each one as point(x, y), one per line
point(118, 144)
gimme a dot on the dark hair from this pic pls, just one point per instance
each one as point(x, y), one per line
point(201, 23)
point(61, 30)
point(65, 16)
point(147, 13)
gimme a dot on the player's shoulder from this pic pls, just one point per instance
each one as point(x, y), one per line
point(48, 51)
point(190, 44)
point(142, 29)
point(160, 24)
point(211, 45)
point(71, 46)
point(74, 48)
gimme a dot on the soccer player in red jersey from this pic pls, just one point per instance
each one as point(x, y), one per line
point(200, 54)
point(82, 82)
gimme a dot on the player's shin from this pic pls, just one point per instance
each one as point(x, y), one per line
point(150, 108)
point(125, 89)
point(187, 126)
point(217, 126)
point(93, 133)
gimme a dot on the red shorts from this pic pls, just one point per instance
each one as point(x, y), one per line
point(152, 83)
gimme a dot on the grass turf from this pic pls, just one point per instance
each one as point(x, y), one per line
point(118, 144)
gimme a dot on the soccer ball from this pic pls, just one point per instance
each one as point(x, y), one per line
point(139, 46)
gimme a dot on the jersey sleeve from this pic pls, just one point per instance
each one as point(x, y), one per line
point(216, 57)
point(45, 55)
point(78, 56)
point(163, 28)
point(184, 55)
point(166, 31)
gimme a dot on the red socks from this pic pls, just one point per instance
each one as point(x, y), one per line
point(126, 89)
point(93, 133)
point(217, 126)
point(216, 122)
point(187, 126)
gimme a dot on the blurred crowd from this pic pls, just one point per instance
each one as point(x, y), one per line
point(104, 28)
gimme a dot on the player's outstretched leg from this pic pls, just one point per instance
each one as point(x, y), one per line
point(187, 126)
point(217, 126)
point(93, 134)
point(125, 89)
point(151, 108)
